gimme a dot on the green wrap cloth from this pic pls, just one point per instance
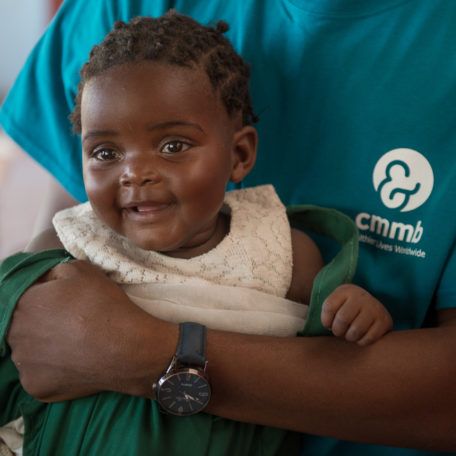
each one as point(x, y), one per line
point(110, 423)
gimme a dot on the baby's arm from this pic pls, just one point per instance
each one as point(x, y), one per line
point(354, 314)
point(349, 311)
point(307, 262)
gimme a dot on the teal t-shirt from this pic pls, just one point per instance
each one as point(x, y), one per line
point(357, 102)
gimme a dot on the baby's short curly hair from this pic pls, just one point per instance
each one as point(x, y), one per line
point(177, 40)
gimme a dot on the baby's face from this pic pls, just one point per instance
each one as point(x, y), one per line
point(158, 151)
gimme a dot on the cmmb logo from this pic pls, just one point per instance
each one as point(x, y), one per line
point(404, 179)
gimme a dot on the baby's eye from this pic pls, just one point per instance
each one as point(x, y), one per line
point(173, 147)
point(105, 154)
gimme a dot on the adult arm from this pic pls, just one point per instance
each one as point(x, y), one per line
point(398, 391)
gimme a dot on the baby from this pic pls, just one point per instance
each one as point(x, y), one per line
point(165, 116)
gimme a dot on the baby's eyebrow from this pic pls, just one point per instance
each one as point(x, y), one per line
point(97, 133)
point(150, 127)
point(174, 123)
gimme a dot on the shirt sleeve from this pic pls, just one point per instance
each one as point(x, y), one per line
point(12, 395)
point(17, 273)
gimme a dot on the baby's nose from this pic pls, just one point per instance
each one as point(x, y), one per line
point(139, 173)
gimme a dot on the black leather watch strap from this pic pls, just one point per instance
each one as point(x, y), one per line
point(191, 347)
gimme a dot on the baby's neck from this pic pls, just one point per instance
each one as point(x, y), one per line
point(221, 229)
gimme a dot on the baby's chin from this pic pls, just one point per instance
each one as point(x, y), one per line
point(168, 242)
point(151, 245)
point(150, 238)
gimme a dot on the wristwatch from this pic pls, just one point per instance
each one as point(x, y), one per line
point(184, 388)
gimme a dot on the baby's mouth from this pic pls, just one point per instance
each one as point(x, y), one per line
point(147, 207)
point(145, 211)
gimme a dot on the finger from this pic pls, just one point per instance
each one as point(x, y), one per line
point(375, 332)
point(60, 271)
point(334, 302)
point(359, 326)
point(344, 318)
point(15, 360)
point(329, 310)
point(69, 270)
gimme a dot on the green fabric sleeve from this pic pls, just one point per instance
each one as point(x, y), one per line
point(339, 227)
point(12, 395)
point(17, 273)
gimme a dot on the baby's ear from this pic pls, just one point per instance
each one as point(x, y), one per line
point(244, 152)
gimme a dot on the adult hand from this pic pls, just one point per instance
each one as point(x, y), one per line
point(74, 331)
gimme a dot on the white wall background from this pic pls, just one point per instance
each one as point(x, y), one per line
point(21, 24)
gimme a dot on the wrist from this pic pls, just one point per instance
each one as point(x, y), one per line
point(184, 388)
point(145, 356)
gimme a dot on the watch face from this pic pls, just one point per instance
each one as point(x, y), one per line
point(183, 393)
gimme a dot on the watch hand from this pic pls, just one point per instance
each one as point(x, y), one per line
point(188, 397)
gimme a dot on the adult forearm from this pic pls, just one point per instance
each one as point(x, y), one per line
point(398, 391)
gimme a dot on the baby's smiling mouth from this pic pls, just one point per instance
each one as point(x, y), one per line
point(148, 207)
point(145, 211)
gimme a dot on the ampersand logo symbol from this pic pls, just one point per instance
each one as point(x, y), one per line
point(404, 179)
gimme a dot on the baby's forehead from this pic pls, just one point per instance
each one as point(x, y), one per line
point(154, 92)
